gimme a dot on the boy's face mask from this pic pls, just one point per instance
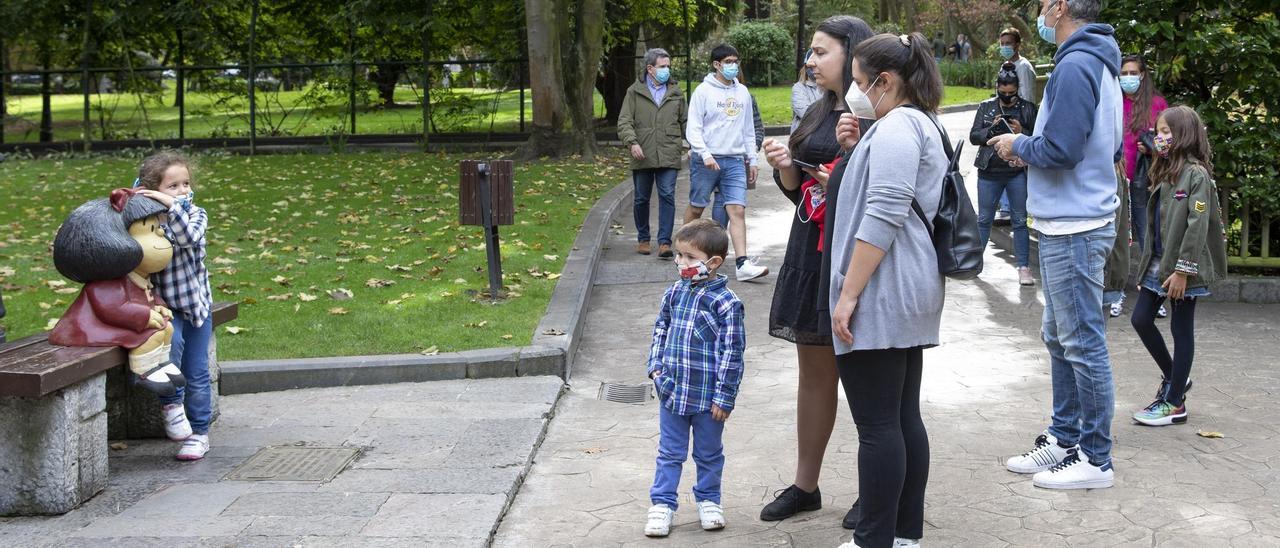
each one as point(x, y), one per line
point(694, 272)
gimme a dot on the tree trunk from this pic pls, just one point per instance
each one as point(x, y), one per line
point(620, 72)
point(564, 54)
point(385, 76)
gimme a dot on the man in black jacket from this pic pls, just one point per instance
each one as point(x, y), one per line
point(1005, 113)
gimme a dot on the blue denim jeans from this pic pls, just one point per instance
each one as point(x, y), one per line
point(644, 180)
point(729, 185)
point(990, 189)
point(190, 352)
point(1074, 331)
point(673, 449)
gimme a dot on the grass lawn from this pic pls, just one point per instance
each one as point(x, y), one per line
point(291, 235)
point(289, 114)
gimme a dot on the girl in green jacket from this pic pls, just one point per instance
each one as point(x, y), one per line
point(1184, 252)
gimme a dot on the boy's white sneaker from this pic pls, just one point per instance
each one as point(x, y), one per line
point(176, 426)
point(194, 447)
point(750, 270)
point(1041, 457)
point(659, 521)
point(1075, 473)
point(711, 515)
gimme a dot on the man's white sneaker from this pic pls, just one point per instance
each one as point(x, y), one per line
point(1075, 473)
point(176, 426)
point(194, 447)
point(850, 544)
point(711, 515)
point(750, 270)
point(659, 522)
point(899, 542)
point(1041, 457)
point(1024, 276)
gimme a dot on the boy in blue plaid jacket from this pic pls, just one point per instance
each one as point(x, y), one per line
point(184, 286)
point(696, 365)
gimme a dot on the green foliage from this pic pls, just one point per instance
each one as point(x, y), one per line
point(977, 73)
point(1223, 60)
point(767, 52)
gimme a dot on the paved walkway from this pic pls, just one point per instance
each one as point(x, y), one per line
point(986, 395)
point(439, 463)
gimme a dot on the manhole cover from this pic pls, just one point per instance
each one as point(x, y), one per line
point(294, 463)
point(625, 393)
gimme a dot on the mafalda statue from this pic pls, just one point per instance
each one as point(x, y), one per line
point(113, 246)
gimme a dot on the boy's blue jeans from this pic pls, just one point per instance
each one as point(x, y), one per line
point(190, 352)
point(1074, 331)
point(673, 449)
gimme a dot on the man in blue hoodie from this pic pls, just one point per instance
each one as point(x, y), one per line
point(1071, 198)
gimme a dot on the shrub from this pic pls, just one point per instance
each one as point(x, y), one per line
point(767, 52)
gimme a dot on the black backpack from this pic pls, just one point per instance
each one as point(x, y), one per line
point(954, 229)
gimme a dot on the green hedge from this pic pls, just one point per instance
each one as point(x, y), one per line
point(767, 51)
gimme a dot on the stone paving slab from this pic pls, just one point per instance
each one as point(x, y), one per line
point(439, 464)
point(985, 396)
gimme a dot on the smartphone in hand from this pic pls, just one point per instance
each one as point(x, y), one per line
point(803, 165)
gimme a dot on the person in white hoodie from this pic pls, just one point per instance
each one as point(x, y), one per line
point(722, 151)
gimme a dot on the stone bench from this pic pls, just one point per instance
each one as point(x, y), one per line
point(58, 407)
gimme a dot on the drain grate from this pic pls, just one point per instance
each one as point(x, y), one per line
point(626, 393)
point(294, 463)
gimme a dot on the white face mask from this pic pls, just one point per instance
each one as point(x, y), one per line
point(859, 104)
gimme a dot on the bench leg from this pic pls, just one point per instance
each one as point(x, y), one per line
point(53, 450)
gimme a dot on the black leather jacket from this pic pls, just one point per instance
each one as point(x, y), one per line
point(985, 127)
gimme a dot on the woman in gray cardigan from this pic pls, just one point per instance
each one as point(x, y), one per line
point(886, 293)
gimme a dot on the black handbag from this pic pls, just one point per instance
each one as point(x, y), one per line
point(954, 229)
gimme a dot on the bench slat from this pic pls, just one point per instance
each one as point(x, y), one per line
point(31, 367)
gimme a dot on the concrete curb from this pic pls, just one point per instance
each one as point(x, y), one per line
point(551, 351)
point(1234, 289)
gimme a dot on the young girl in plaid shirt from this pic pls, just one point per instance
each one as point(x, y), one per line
point(696, 365)
point(184, 286)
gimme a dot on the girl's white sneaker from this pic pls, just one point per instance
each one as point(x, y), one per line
point(659, 522)
point(711, 515)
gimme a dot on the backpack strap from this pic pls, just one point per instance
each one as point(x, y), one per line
point(952, 160)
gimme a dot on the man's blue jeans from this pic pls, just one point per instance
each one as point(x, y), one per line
point(190, 352)
point(644, 180)
point(989, 191)
point(1074, 331)
point(673, 449)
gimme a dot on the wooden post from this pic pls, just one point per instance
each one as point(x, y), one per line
point(46, 110)
point(179, 94)
point(351, 54)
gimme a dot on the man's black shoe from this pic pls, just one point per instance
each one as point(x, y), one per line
point(851, 518)
point(791, 501)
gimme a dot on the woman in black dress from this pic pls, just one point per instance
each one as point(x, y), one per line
point(797, 314)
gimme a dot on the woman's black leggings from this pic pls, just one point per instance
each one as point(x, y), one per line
point(883, 388)
point(1182, 325)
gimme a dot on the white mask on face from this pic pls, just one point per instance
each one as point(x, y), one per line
point(859, 103)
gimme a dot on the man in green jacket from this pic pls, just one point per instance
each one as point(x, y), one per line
point(652, 124)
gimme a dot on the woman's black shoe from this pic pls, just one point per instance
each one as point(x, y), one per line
point(851, 518)
point(791, 501)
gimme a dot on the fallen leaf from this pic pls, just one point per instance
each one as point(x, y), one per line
point(338, 311)
point(507, 337)
point(431, 350)
point(281, 280)
point(223, 260)
point(7, 271)
point(376, 282)
point(551, 257)
point(341, 294)
point(234, 330)
point(594, 450)
point(553, 332)
point(283, 297)
point(1205, 434)
point(119, 446)
point(553, 276)
point(306, 298)
point(54, 284)
point(66, 290)
point(459, 281)
point(52, 322)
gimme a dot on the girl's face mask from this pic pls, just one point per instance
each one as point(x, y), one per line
point(1163, 144)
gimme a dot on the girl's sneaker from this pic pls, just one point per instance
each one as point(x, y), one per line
point(176, 426)
point(1162, 413)
point(711, 515)
point(1162, 312)
point(659, 521)
point(194, 447)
